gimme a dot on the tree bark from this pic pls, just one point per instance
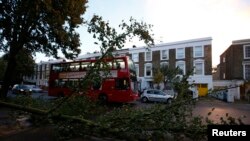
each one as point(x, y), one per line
point(11, 65)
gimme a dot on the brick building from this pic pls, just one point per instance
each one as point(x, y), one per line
point(187, 54)
point(234, 68)
point(235, 61)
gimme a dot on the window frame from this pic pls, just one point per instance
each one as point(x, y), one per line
point(161, 64)
point(145, 70)
point(184, 66)
point(167, 57)
point(133, 57)
point(137, 69)
point(203, 67)
point(246, 46)
point(150, 59)
point(244, 70)
point(195, 51)
point(178, 52)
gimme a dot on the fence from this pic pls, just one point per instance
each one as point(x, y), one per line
point(227, 94)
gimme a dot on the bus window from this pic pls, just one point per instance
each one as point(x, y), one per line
point(84, 65)
point(74, 66)
point(131, 65)
point(56, 67)
point(65, 67)
point(73, 83)
point(122, 84)
point(77, 66)
point(119, 64)
point(109, 65)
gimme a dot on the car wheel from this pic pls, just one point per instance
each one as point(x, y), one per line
point(169, 101)
point(144, 99)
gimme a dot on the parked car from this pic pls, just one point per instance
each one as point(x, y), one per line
point(21, 89)
point(170, 90)
point(194, 92)
point(191, 93)
point(155, 95)
point(35, 89)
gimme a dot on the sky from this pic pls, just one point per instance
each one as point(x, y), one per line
point(175, 20)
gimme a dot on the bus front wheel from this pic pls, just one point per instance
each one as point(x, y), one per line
point(103, 99)
point(60, 94)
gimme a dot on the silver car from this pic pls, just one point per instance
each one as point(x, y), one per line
point(156, 96)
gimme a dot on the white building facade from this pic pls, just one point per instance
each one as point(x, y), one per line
point(42, 71)
point(187, 55)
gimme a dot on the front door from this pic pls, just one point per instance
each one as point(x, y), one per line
point(202, 89)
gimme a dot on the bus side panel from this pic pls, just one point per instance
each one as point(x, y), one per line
point(117, 95)
point(59, 92)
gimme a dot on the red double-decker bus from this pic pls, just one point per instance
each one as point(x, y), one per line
point(118, 85)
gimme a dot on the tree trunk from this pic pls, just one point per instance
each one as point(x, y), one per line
point(11, 65)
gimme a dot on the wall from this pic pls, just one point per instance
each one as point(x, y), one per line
point(229, 84)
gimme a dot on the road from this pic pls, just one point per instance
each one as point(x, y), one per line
point(202, 107)
point(43, 95)
point(238, 109)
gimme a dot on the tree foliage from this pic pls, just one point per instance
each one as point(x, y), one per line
point(166, 75)
point(39, 26)
point(158, 77)
point(110, 40)
point(25, 66)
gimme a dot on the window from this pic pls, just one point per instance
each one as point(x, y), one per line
point(199, 67)
point(164, 55)
point(247, 51)
point(181, 65)
point(137, 69)
point(164, 64)
point(180, 53)
point(148, 70)
point(247, 71)
point(135, 57)
point(148, 56)
point(198, 51)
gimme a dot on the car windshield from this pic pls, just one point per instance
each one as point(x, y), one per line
point(24, 87)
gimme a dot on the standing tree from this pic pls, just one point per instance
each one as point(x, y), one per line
point(3, 65)
point(25, 66)
point(166, 75)
point(45, 26)
point(158, 77)
point(49, 26)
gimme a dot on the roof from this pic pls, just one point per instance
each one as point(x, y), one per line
point(243, 41)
